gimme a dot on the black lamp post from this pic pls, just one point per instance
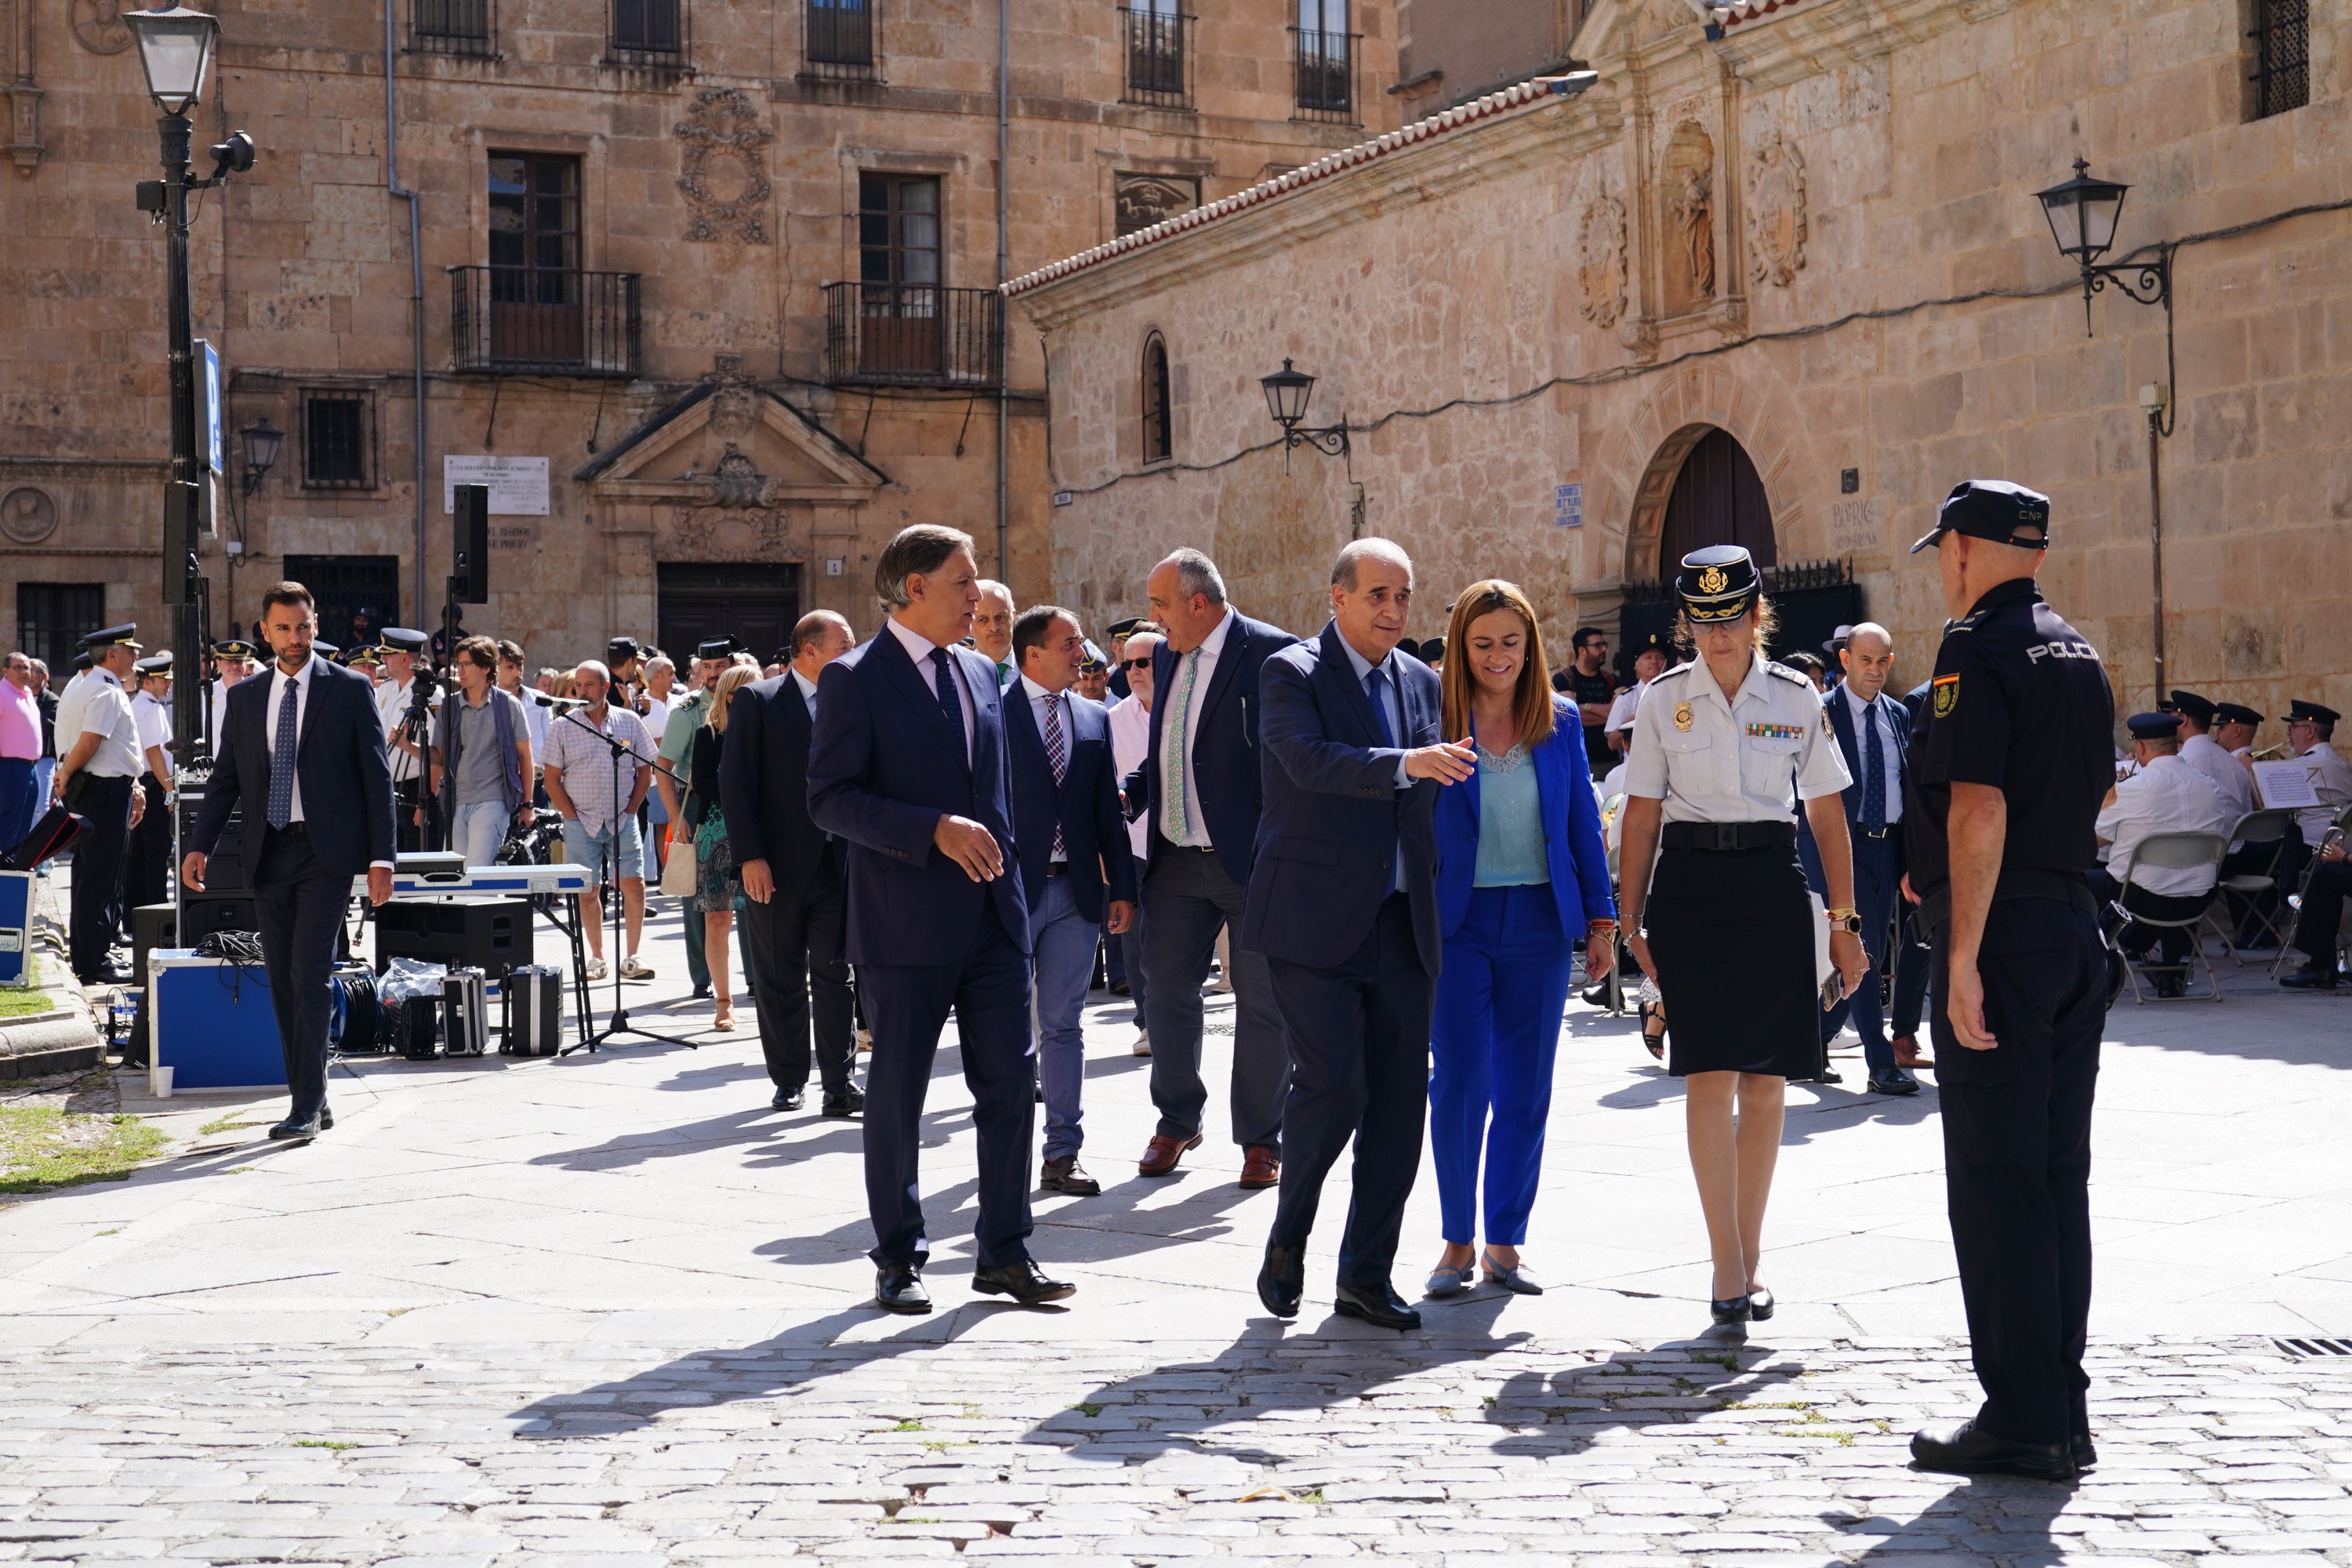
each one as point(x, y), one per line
point(1287, 392)
point(261, 443)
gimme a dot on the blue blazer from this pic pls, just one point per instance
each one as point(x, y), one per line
point(341, 765)
point(1574, 851)
point(1897, 719)
point(1333, 819)
point(1225, 764)
point(1085, 804)
point(884, 767)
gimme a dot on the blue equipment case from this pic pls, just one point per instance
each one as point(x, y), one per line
point(213, 1023)
point(15, 928)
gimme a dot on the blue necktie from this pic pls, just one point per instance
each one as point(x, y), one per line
point(1873, 773)
point(281, 761)
point(943, 683)
point(1376, 687)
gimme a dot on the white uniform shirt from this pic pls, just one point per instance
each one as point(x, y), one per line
point(1628, 703)
point(154, 717)
point(918, 648)
point(2204, 755)
point(1130, 741)
point(1204, 672)
point(2331, 775)
point(392, 707)
point(67, 727)
point(2166, 797)
point(103, 707)
point(1747, 760)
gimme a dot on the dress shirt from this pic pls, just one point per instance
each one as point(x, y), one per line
point(1040, 699)
point(587, 766)
point(1392, 714)
point(534, 719)
point(392, 707)
point(1131, 743)
point(1628, 703)
point(808, 692)
point(277, 682)
point(20, 722)
point(106, 710)
point(1874, 712)
point(67, 726)
point(152, 716)
point(919, 649)
point(2166, 797)
point(2331, 775)
point(2220, 770)
point(1745, 760)
point(1205, 670)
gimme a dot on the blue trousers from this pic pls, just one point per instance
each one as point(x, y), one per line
point(1062, 947)
point(19, 808)
point(1499, 1001)
point(1877, 890)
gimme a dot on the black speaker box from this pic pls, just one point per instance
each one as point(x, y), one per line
point(215, 910)
point(473, 544)
point(224, 870)
point(492, 935)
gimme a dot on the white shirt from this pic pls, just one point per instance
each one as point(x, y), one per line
point(808, 691)
point(99, 704)
point(67, 727)
point(657, 713)
point(1747, 760)
point(152, 716)
point(278, 681)
point(919, 649)
point(2331, 775)
point(1041, 699)
point(534, 717)
point(1622, 710)
point(1131, 743)
point(2220, 770)
point(1204, 660)
point(1875, 712)
point(392, 707)
point(2168, 795)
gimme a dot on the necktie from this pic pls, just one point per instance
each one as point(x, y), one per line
point(1376, 686)
point(1873, 773)
point(943, 685)
point(1057, 754)
point(281, 760)
point(1177, 818)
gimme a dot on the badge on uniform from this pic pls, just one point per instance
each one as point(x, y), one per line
point(1947, 689)
point(1683, 717)
point(1776, 732)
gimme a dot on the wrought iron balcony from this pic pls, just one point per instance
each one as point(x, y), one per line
point(555, 322)
point(454, 27)
point(1323, 74)
point(912, 334)
point(842, 40)
point(1159, 57)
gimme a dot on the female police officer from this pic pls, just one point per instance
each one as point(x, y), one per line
point(1722, 745)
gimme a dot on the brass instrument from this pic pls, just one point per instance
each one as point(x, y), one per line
point(2279, 753)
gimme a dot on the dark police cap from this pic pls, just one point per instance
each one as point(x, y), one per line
point(1717, 583)
point(82, 661)
point(400, 639)
point(2300, 712)
point(2201, 709)
point(366, 654)
point(2153, 726)
point(325, 649)
point(123, 636)
point(620, 650)
point(155, 664)
point(715, 647)
point(1125, 628)
point(1091, 657)
point(2236, 713)
point(1652, 642)
point(1997, 510)
point(234, 648)
point(781, 656)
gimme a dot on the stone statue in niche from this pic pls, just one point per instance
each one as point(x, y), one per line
point(1686, 179)
point(725, 172)
point(1776, 214)
point(1601, 260)
point(1693, 207)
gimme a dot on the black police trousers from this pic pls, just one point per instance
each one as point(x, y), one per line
point(2017, 1160)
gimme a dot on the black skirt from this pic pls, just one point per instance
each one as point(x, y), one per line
point(1731, 934)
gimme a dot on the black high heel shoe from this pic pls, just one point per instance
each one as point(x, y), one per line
point(1651, 1013)
point(1735, 1309)
point(1760, 1303)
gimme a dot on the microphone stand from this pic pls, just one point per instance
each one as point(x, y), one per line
point(609, 860)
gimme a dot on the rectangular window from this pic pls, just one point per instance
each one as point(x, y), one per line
point(338, 440)
point(1323, 59)
point(842, 41)
point(535, 282)
point(2282, 40)
point(1157, 37)
point(53, 617)
point(899, 228)
point(649, 33)
point(453, 26)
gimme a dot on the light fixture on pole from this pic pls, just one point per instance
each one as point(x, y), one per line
point(1286, 393)
point(262, 440)
point(175, 46)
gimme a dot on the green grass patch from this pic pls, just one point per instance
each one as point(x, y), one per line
point(322, 1443)
point(1087, 1409)
point(43, 1148)
point(228, 1123)
point(908, 1426)
point(15, 1003)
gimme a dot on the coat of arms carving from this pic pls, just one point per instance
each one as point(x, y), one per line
point(1776, 214)
point(1601, 260)
point(725, 172)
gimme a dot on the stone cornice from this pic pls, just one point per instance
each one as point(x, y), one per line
point(1821, 35)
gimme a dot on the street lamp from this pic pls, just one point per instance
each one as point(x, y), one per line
point(261, 443)
point(2082, 214)
point(1287, 392)
point(175, 45)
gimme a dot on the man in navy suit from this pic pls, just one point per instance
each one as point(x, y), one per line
point(795, 886)
point(1066, 821)
point(1873, 731)
point(1199, 783)
point(1343, 904)
point(908, 764)
point(302, 749)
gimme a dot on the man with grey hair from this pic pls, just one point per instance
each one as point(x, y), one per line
point(598, 803)
point(991, 628)
point(1199, 790)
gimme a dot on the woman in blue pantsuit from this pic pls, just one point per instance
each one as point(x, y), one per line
point(1522, 878)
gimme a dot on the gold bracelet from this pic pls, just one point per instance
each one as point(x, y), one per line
point(1847, 912)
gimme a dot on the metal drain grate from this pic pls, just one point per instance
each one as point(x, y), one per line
point(2300, 1348)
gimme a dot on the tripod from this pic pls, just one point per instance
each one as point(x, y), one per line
point(608, 863)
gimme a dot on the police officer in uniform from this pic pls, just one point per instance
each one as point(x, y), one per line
point(97, 772)
point(2009, 762)
point(146, 870)
point(233, 660)
point(411, 820)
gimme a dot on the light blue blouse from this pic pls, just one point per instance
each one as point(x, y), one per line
point(1510, 821)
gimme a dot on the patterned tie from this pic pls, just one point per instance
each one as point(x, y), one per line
point(1177, 818)
point(281, 760)
point(1376, 686)
point(1057, 754)
point(1874, 772)
point(943, 685)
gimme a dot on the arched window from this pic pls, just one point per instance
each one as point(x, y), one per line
point(1159, 419)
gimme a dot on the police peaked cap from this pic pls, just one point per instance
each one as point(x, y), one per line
point(2300, 712)
point(234, 648)
point(2236, 713)
point(1718, 583)
point(620, 650)
point(2201, 709)
point(114, 637)
point(155, 664)
point(709, 647)
point(2154, 726)
point(1997, 510)
point(400, 639)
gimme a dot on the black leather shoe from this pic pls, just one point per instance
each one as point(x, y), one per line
point(899, 1288)
point(702, 993)
point(326, 1119)
point(1282, 1279)
point(2310, 977)
point(1963, 1450)
point(1732, 1309)
point(111, 975)
point(1829, 1075)
point(1024, 1281)
point(1761, 1305)
point(290, 1128)
point(789, 1100)
point(1381, 1307)
point(847, 1103)
point(1066, 1175)
point(1893, 1081)
point(2087, 1457)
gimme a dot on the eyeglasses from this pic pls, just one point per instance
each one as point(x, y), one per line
point(1143, 663)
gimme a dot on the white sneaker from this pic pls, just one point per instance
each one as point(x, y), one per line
point(635, 968)
point(596, 969)
point(1142, 1047)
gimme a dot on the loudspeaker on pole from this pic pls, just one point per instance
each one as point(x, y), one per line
point(472, 546)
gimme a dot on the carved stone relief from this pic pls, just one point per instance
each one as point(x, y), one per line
point(1688, 182)
point(28, 515)
point(1601, 260)
point(98, 25)
point(1139, 200)
point(725, 167)
point(1776, 214)
point(709, 534)
point(738, 481)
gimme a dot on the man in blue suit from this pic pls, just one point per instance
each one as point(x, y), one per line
point(1874, 733)
point(1066, 821)
point(1199, 783)
point(908, 763)
point(1343, 904)
point(302, 750)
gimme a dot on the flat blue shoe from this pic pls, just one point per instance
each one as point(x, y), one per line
point(1447, 1280)
point(1510, 1277)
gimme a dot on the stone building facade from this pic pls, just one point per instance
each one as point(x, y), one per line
point(716, 285)
point(1776, 275)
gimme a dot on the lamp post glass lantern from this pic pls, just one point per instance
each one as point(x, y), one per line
point(2082, 214)
point(1287, 392)
point(262, 440)
point(176, 48)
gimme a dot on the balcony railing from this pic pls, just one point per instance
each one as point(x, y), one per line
point(649, 35)
point(1323, 73)
point(909, 335)
point(842, 40)
point(519, 319)
point(1158, 58)
point(454, 27)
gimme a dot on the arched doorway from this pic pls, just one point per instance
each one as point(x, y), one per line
point(1718, 498)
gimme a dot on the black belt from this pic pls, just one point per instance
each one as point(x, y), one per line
point(2064, 887)
point(1724, 837)
point(1058, 869)
point(302, 827)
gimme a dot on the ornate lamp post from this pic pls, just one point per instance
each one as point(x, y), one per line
point(261, 442)
point(1287, 392)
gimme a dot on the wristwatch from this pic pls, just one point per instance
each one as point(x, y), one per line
point(1845, 921)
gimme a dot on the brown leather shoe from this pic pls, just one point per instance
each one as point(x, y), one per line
point(1261, 1167)
point(1908, 1055)
point(1160, 1155)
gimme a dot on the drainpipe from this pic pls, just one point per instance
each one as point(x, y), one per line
point(416, 285)
point(1004, 272)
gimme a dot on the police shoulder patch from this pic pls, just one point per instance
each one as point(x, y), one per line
point(1945, 694)
point(1785, 673)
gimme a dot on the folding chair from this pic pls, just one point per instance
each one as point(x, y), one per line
point(2293, 902)
point(2254, 829)
point(2171, 852)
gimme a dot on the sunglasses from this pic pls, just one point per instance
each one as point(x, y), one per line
point(1143, 663)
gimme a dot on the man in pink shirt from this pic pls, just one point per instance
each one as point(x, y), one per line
point(20, 751)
